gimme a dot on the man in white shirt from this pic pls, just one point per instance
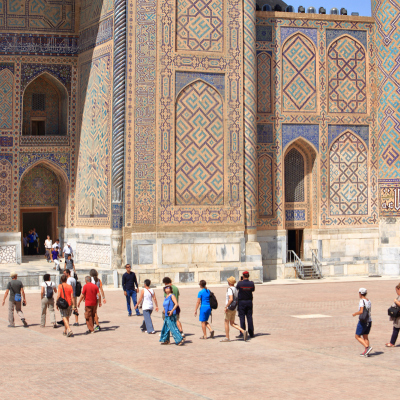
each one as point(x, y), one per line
point(56, 244)
point(72, 282)
point(68, 250)
point(47, 245)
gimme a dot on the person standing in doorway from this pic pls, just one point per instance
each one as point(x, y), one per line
point(47, 290)
point(36, 241)
point(31, 241)
point(17, 297)
point(91, 295)
point(65, 291)
point(149, 299)
point(245, 307)
point(47, 245)
point(129, 282)
point(167, 282)
point(26, 242)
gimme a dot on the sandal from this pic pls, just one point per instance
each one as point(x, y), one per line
point(389, 345)
point(167, 342)
point(181, 342)
point(202, 337)
point(212, 335)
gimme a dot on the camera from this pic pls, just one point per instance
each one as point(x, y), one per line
point(241, 278)
point(75, 312)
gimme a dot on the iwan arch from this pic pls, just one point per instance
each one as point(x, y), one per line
point(203, 139)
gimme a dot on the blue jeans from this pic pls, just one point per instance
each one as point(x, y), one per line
point(170, 327)
point(147, 324)
point(129, 294)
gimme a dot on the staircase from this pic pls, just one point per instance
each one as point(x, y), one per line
point(305, 269)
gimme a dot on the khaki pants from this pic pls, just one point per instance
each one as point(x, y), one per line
point(17, 305)
point(90, 312)
point(48, 304)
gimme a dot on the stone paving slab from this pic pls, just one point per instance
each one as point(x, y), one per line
point(290, 358)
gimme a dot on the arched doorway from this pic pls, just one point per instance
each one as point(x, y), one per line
point(300, 171)
point(42, 202)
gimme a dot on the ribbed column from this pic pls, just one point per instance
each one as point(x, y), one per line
point(250, 128)
point(118, 129)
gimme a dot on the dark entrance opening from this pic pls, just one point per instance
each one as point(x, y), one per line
point(43, 222)
point(295, 241)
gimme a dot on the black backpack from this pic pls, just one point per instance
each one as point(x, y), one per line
point(364, 317)
point(78, 289)
point(213, 301)
point(394, 312)
point(49, 291)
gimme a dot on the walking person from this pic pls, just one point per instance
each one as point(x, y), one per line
point(97, 281)
point(56, 244)
point(245, 306)
point(47, 245)
point(396, 321)
point(129, 282)
point(148, 297)
point(17, 297)
point(230, 310)
point(364, 324)
point(203, 301)
point(71, 281)
point(67, 250)
point(90, 294)
point(65, 291)
point(170, 305)
point(69, 264)
point(47, 290)
point(55, 255)
point(167, 282)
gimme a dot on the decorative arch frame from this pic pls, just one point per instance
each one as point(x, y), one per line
point(224, 151)
point(316, 73)
point(271, 87)
point(308, 208)
point(368, 173)
point(61, 91)
point(367, 110)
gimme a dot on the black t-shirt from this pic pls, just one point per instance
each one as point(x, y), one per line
point(246, 289)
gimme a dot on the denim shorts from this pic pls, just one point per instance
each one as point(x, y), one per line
point(363, 329)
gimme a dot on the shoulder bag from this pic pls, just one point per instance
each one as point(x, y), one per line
point(61, 302)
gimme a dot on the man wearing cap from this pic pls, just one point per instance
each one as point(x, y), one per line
point(16, 289)
point(67, 250)
point(230, 310)
point(245, 307)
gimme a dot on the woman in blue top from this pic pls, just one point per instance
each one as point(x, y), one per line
point(203, 300)
point(170, 305)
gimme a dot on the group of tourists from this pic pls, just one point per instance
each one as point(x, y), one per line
point(31, 243)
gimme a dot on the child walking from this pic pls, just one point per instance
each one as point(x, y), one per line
point(365, 322)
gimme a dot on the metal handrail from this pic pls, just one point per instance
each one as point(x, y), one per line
point(294, 258)
point(316, 263)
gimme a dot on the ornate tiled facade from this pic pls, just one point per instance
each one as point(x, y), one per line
point(227, 115)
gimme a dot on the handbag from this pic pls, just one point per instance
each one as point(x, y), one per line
point(394, 312)
point(61, 302)
point(17, 297)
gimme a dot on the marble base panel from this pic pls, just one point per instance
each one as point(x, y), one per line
point(10, 248)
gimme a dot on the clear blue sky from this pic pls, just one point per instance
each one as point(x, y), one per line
point(361, 6)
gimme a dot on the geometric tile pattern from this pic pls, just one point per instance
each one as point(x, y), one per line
point(265, 188)
point(39, 187)
point(60, 160)
point(264, 83)
point(263, 33)
point(92, 11)
point(294, 177)
point(360, 35)
point(291, 132)
point(6, 99)
point(347, 77)
point(183, 79)
point(336, 130)
point(8, 254)
point(387, 17)
point(94, 253)
point(5, 192)
point(200, 25)
point(38, 15)
point(95, 35)
point(295, 215)
point(310, 33)
point(299, 75)
point(348, 176)
point(199, 146)
point(61, 72)
point(265, 133)
point(94, 152)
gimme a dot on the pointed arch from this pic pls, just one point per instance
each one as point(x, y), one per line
point(348, 176)
point(264, 87)
point(294, 176)
point(265, 186)
point(199, 145)
point(347, 76)
point(299, 71)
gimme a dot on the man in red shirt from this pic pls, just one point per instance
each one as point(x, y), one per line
point(89, 294)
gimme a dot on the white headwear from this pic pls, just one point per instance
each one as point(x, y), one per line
point(362, 291)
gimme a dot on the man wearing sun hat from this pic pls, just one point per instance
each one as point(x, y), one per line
point(245, 307)
point(230, 309)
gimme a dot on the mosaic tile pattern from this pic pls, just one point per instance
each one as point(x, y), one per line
point(93, 253)
point(294, 177)
point(61, 160)
point(264, 90)
point(263, 33)
point(183, 79)
point(5, 191)
point(347, 77)
point(6, 141)
point(8, 254)
point(360, 35)
point(348, 176)
point(200, 25)
point(310, 33)
point(299, 75)
point(93, 11)
point(6, 98)
point(265, 133)
point(387, 17)
point(291, 132)
point(96, 35)
point(265, 189)
point(336, 130)
point(199, 146)
point(295, 215)
point(95, 142)
point(39, 187)
point(38, 15)
point(62, 72)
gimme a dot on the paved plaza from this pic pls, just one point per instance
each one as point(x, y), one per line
point(312, 357)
